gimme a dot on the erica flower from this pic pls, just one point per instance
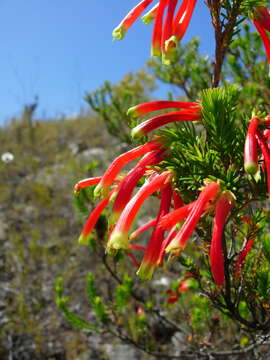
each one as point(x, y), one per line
point(142, 229)
point(145, 108)
point(191, 114)
point(173, 297)
point(180, 25)
point(169, 28)
point(119, 236)
point(86, 183)
point(223, 207)
point(266, 155)
point(151, 14)
point(110, 174)
point(242, 256)
point(185, 285)
point(261, 20)
point(167, 32)
point(127, 185)
point(157, 32)
point(179, 242)
point(129, 19)
point(152, 253)
point(92, 220)
point(250, 148)
point(177, 200)
point(172, 218)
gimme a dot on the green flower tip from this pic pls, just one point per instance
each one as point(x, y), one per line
point(101, 191)
point(174, 249)
point(148, 18)
point(145, 271)
point(132, 112)
point(83, 239)
point(135, 133)
point(119, 32)
point(169, 56)
point(155, 51)
point(251, 168)
point(118, 240)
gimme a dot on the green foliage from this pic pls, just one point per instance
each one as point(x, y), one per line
point(199, 312)
point(111, 102)
point(266, 247)
point(96, 301)
point(247, 67)
point(264, 282)
point(212, 149)
point(70, 316)
point(191, 72)
point(123, 293)
point(247, 6)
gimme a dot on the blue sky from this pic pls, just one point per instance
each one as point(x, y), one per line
point(60, 49)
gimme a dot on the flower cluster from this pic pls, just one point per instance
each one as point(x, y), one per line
point(170, 24)
point(166, 237)
point(171, 229)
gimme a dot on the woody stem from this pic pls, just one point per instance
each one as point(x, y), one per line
point(223, 34)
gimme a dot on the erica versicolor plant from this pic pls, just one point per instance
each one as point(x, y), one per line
point(203, 167)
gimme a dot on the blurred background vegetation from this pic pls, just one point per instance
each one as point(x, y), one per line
point(39, 224)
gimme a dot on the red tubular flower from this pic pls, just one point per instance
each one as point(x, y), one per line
point(173, 297)
point(119, 236)
point(177, 200)
point(242, 257)
point(133, 259)
point(86, 183)
point(151, 14)
point(250, 148)
point(172, 218)
point(223, 207)
point(142, 229)
point(140, 311)
point(145, 108)
point(92, 220)
point(180, 12)
point(266, 154)
point(152, 254)
point(180, 26)
point(184, 285)
point(265, 39)
point(266, 120)
point(208, 193)
point(129, 19)
point(131, 255)
point(158, 121)
point(266, 133)
point(261, 20)
point(110, 174)
point(157, 32)
point(165, 243)
point(183, 18)
point(167, 32)
point(262, 17)
point(129, 182)
point(136, 247)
